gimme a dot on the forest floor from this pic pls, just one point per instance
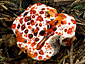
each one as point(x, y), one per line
point(11, 54)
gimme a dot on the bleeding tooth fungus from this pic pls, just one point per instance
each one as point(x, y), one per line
point(38, 28)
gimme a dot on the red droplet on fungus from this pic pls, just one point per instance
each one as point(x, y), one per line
point(69, 31)
point(26, 46)
point(40, 24)
point(20, 15)
point(33, 44)
point(39, 18)
point(69, 15)
point(69, 23)
point(47, 8)
point(50, 52)
point(19, 45)
point(29, 42)
point(28, 18)
point(43, 9)
point(40, 57)
point(32, 11)
point(41, 12)
point(65, 30)
point(21, 20)
point(44, 59)
point(47, 56)
point(38, 4)
point(29, 27)
point(56, 32)
point(35, 54)
point(41, 52)
point(73, 21)
point(48, 46)
point(13, 26)
point(33, 16)
point(32, 8)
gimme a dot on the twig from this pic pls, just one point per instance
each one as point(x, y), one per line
point(80, 23)
point(77, 44)
point(77, 61)
point(4, 7)
point(62, 0)
point(20, 3)
point(81, 54)
point(4, 23)
point(0, 40)
point(8, 10)
point(81, 62)
point(64, 9)
point(4, 58)
point(20, 52)
point(79, 19)
point(1, 3)
point(64, 61)
point(20, 7)
point(13, 8)
point(64, 58)
point(82, 1)
point(7, 55)
point(71, 54)
point(5, 15)
point(7, 2)
point(75, 2)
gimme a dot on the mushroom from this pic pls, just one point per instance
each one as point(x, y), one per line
point(37, 30)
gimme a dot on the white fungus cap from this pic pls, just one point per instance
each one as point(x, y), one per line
point(37, 29)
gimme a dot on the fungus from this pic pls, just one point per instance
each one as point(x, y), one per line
point(38, 28)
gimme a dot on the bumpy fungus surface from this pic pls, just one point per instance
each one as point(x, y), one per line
point(37, 29)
